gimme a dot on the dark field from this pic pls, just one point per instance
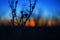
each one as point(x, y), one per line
point(27, 33)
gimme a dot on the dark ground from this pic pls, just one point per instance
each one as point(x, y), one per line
point(23, 33)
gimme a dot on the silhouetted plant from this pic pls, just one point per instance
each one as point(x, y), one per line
point(13, 9)
point(21, 18)
point(23, 15)
point(31, 10)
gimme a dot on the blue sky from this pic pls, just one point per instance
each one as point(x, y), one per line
point(44, 8)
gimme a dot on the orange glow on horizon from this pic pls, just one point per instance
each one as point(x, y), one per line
point(40, 23)
point(32, 23)
point(6, 23)
point(27, 24)
point(51, 23)
point(54, 23)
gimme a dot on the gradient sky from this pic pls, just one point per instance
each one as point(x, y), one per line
point(44, 8)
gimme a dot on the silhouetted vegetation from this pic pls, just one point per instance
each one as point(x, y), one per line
point(18, 33)
point(13, 9)
point(13, 6)
point(27, 16)
point(31, 10)
point(21, 19)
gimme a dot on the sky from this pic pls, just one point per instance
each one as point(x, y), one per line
point(43, 8)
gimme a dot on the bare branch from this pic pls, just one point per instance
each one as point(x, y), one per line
point(13, 9)
point(16, 3)
point(31, 10)
point(34, 5)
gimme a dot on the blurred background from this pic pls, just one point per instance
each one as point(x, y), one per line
point(45, 11)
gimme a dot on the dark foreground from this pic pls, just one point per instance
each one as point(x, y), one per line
point(23, 33)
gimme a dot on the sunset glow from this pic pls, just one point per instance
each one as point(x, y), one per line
point(31, 23)
point(47, 11)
